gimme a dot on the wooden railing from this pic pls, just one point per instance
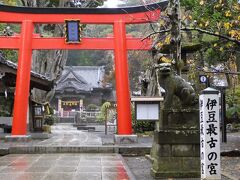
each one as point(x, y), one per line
point(83, 114)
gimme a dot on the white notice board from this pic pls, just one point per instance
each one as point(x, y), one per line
point(147, 111)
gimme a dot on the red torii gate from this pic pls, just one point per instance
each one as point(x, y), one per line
point(120, 43)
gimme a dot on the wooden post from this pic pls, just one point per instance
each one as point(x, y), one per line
point(106, 114)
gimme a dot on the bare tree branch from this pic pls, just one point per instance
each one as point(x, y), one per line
point(221, 72)
point(199, 30)
point(156, 32)
point(211, 33)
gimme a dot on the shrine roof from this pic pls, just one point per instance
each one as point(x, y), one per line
point(37, 80)
point(124, 10)
point(81, 78)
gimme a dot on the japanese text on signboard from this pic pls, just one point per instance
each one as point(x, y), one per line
point(209, 135)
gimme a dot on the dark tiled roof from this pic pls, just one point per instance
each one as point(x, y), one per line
point(37, 80)
point(14, 66)
point(80, 78)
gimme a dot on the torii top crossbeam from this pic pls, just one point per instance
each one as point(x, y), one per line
point(120, 43)
point(130, 15)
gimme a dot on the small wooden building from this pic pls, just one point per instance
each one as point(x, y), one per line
point(8, 71)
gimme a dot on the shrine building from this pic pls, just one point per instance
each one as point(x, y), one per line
point(80, 86)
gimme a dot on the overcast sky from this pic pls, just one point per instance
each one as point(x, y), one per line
point(111, 3)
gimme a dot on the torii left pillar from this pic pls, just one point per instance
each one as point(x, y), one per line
point(23, 80)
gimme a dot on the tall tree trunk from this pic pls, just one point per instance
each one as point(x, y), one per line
point(232, 66)
point(175, 49)
point(46, 62)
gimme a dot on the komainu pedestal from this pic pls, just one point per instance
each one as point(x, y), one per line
point(176, 152)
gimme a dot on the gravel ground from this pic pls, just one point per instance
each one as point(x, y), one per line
point(231, 167)
point(140, 167)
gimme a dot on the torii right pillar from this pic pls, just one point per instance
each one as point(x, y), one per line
point(124, 123)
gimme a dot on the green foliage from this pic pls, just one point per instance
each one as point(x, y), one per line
point(104, 111)
point(139, 30)
point(92, 107)
point(209, 38)
point(236, 126)
point(106, 106)
point(11, 55)
point(189, 4)
point(212, 21)
point(233, 112)
point(86, 58)
point(4, 113)
point(100, 118)
point(97, 30)
point(51, 110)
point(49, 120)
point(141, 126)
point(233, 96)
point(219, 17)
point(92, 57)
point(9, 2)
point(6, 106)
point(233, 102)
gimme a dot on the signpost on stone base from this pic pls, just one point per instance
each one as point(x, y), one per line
point(210, 134)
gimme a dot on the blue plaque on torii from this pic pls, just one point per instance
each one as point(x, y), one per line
point(72, 31)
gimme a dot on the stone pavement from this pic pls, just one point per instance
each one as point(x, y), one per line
point(66, 139)
point(140, 167)
point(63, 167)
point(67, 135)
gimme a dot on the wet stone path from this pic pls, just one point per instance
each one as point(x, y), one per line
point(88, 166)
point(67, 135)
point(63, 167)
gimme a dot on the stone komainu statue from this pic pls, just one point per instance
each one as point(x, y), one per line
point(175, 85)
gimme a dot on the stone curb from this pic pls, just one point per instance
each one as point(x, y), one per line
point(233, 153)
point(60, 149)
point(124, 150)
point(4, 151)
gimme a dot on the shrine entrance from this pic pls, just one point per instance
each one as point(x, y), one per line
point(27, 41)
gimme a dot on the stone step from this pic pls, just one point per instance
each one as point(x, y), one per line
point(4, 151)
point(124, 150)
point(60, 149)
point(66, 120)
point(88, 128)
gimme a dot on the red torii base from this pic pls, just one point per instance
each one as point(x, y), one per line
point(27, 41)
